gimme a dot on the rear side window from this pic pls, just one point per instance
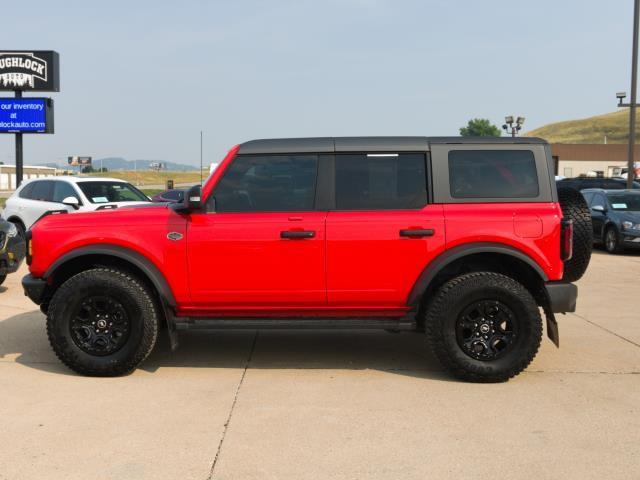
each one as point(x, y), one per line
point(42, 190)
point(381, 181)
point(493, 174)
point(268, 183)
point(26, 191)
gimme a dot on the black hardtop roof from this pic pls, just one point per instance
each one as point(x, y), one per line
point(370, 144)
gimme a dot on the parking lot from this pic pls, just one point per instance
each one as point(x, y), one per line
point(290, 405)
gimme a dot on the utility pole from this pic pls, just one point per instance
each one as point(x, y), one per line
point(634, 83)
point(200, 158)
point(19, 157)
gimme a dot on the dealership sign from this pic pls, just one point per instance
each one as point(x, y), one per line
point(29, 70)
point(26, 115)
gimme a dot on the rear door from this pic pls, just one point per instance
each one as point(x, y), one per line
point(38, 201)
point(261, 243)
point(381, 231)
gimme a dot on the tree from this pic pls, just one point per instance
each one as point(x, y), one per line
point(480, 127)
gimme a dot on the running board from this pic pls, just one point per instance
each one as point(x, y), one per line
point(294, 323)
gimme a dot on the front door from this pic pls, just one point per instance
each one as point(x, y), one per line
point(260, 244)
point(382, 232)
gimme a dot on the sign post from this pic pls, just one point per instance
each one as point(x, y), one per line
point(27, 71)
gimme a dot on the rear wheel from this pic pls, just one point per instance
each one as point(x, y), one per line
point(102, 322)
point(575, 208)
point(3, 277)
point(612, 242)
point(483, 327)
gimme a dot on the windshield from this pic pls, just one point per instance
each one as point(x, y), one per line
point(625, 202)
point(106, 192)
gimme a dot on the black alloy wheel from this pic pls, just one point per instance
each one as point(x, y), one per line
point(486, 329)
point(100, 325)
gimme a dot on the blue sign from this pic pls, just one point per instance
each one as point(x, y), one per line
point(26, 115)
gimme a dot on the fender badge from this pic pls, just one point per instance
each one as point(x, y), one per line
point(174, 236)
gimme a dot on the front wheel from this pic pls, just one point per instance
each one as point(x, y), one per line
point(483, 327)
point(612, 242)
point(102, 322)
point(3, 277)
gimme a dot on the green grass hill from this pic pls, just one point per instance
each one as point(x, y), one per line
point(589, 130)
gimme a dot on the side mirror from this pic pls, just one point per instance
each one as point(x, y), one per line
point(71, 202)
point(599, 208)
point(191, 200)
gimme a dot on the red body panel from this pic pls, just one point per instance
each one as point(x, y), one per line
point(531, 228)
point(143, 230)
point(239, 259)
point(370, 264)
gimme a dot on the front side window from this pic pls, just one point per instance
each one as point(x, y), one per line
point(493, 174)
point(62, 190)
point(105, 192)
point(268, 183)
point(381, 181)
point(588, 196)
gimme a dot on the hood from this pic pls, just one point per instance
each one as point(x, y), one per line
point(633, 217)
point(123, 215)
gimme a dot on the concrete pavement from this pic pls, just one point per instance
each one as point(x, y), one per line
point(339, 405)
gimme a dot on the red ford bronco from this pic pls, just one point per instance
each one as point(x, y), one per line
point(466, 240)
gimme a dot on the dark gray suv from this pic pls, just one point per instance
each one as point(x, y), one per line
point(615, 215)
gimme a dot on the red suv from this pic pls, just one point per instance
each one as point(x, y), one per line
point(463, 239)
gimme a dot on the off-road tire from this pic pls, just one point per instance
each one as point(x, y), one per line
point(616, 247)
point(3, 277)
point(575, 207)
point(449, 302)
point(138, 303)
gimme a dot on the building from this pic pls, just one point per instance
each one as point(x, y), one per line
point(8, 175)
point(573, 160)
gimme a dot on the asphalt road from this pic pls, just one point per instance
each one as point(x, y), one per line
point(330, 405)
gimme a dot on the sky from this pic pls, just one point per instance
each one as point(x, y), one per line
point(140, 79)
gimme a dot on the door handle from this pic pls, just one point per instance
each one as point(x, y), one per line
point(417, 232)
point(294, 234)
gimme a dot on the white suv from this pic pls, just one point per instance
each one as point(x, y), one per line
point(36, 197)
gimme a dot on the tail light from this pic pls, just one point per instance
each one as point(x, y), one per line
point(566, 239)
point(28, 247)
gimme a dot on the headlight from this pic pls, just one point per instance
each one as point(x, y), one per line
point(630, 226)
point(12, 231)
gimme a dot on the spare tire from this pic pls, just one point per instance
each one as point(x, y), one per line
point(575, 207)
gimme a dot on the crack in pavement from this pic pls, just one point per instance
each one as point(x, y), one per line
point(233, 404)
point(606, 329)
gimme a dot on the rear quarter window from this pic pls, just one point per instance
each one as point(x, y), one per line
point(493, 174)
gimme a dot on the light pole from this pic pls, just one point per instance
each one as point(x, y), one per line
point(513, 127)
point(632, 105)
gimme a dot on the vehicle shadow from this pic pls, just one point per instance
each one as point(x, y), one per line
point(23, 339)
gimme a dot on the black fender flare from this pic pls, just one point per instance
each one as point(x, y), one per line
point(456, 253)
point(145, 265)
